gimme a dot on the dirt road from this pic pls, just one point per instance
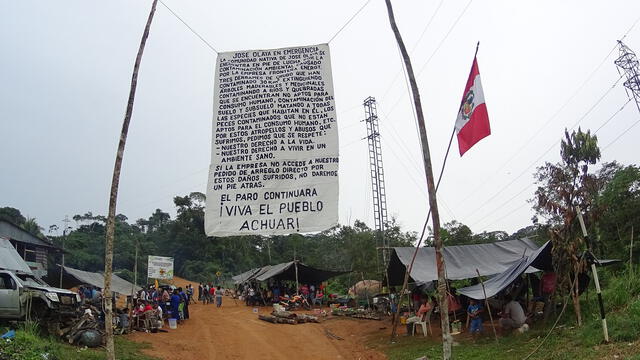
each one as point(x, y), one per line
point(234, 332)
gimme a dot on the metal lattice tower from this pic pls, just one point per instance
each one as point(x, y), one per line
point(377, 174)
point(628, 63)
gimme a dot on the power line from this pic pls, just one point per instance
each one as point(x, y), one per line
point(624, 132)
point(553, 117)
point(424, 31)
point(545, 152)
point(349, 21)
point(424, 65)
point(190, 28)
point(530, 185)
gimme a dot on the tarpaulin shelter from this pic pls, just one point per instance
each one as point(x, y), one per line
point(306, 274)
point(461, 261)
point(74, 277)
point(245, 276)
point(539, 260)
point(287, 271)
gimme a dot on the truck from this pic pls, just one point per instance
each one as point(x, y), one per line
point(24, 296)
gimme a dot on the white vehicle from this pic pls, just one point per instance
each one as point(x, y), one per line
point(23, 295)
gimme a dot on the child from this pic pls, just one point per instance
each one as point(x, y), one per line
point(474, 310)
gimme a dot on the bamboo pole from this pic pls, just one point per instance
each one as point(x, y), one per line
point(486, 302)
point(594, 270)
point(433, 204)
point(113, 198)
point(631, 255)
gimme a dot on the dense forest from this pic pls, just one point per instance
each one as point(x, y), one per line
point(608, 193)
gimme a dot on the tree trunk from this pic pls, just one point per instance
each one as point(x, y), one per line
point(115, 181)
point(575, 294)
point(431, 189)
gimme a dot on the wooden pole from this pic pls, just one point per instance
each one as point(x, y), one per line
point(113, 198)
point(486, 303)
point(631, 255)
point(135, 272)
point(431, 189)
point(594, 270)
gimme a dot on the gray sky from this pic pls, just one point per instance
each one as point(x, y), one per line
point(66, 66)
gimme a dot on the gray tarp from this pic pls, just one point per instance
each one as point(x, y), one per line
point(10, 259)
point(306, 274)
point(461, 261)
point(81, 277)
point(541, 259)
point(240, 278)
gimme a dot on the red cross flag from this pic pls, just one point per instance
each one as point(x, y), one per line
point(472, 124)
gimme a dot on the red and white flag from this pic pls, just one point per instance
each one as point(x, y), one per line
point(472, 124)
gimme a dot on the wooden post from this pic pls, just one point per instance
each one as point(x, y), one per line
point(431, 189)
point(594, 270)
point(135, 272)
point(631, 255)
point(486, 302)
point(113, 198)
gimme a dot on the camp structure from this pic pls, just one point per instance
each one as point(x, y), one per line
point(461, 261)
point(74, 277)
point(541, 259)
point(287, 271)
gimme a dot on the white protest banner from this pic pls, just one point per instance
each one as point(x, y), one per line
point(274, 152)
point(160, 267)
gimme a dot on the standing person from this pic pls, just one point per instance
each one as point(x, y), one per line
point(185, 300)
point(175, 305)
point(547, 289)
point(473, 311)
point(212, 294)
point(512, 317)
point(205, 293)
point(200, 287)
point(218, 294)
point(189, 293)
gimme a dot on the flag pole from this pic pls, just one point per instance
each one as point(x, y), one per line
point(433, 204)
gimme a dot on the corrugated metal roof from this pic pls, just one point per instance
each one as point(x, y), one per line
point(16, 233)
point(10, 259)
point(118, 284)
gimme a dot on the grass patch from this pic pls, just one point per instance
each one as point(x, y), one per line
point(29, 345)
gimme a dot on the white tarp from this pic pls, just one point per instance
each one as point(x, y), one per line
point(274, 152)
point(160, 267)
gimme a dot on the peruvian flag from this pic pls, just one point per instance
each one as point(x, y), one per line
point(472, 124)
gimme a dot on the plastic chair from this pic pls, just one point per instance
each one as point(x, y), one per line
point(426, 321)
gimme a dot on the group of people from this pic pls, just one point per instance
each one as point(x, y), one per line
point(512, 314)
point(207, 292)
point(276, 292)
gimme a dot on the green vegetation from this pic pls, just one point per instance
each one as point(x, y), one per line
point(30, 345)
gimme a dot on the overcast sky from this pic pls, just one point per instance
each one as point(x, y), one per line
point(65, 70)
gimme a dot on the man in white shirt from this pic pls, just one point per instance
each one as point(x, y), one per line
point(513, 316)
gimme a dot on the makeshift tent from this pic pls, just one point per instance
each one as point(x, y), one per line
point(241, 278)
point(10, 259)
point(287, 271)
point(541, 259)
point(461, 261)
point(74, 277)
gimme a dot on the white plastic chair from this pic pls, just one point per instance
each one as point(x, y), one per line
point(426, 321)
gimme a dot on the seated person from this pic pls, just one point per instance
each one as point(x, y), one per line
point(422, 311)
point(512, 317)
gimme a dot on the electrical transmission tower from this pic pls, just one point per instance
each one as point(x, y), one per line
point(377, 176)
point(628, 63)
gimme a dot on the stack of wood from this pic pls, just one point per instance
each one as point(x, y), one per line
point(279, 316)
point(73, 333)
